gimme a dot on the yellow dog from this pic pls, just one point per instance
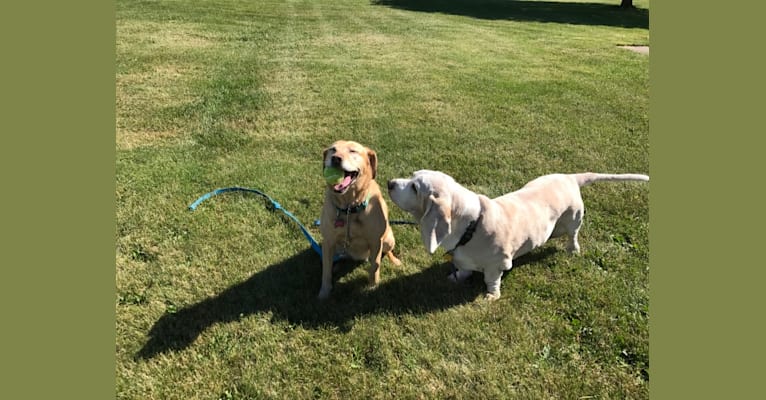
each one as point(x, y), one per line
point(354, 215)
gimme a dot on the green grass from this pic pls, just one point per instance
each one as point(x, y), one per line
point(221, 303)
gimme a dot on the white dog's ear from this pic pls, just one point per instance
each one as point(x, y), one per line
point(435, 224)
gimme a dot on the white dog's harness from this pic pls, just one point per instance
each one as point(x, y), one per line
point(467, 236)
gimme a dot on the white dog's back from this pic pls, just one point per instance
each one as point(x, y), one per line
point(502, 228)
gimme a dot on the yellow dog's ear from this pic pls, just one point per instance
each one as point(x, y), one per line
point(373, 157)
point(324, 155)
point(435, 224)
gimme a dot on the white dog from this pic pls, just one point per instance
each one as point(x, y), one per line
point(484, 234)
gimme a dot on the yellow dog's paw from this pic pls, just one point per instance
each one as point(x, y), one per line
point(391, 257)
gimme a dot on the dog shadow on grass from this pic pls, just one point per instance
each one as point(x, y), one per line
point(288, 291)
point(576, 13)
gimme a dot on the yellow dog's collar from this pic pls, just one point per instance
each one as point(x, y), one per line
point(355, 209)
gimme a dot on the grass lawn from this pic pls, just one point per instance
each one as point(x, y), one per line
point(220, 303)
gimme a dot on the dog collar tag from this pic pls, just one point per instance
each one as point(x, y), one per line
point(339, 223)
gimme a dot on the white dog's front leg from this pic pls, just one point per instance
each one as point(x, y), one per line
point(459, 275)
point(492, 278)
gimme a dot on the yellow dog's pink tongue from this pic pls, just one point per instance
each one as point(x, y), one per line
point(344, 184)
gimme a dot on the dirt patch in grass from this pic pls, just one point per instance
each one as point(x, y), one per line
point(147, 35)
point(132, 140)
point(147, 93)
point(357, 40)
point(160, 85)
point(637, 49)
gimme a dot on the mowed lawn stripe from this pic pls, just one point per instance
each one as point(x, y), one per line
point(221, 302)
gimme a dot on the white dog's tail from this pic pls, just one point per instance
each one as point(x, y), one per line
point(589, 177)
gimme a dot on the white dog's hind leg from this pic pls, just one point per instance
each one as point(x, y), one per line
point(573, 246)
point(573, 228)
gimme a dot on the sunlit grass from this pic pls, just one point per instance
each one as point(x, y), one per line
point(221, 302)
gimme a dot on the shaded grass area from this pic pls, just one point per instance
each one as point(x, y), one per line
point(220, 302)
point(280, 290)
point(565, 12)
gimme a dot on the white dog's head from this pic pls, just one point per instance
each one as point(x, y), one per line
point(427, 196)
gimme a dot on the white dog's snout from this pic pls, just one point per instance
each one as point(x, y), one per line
point(397, 184)
point(397, 189)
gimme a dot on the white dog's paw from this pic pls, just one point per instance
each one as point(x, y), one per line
point(573, 250)
point(491, 296)
point(324, 293)
point(573, 247)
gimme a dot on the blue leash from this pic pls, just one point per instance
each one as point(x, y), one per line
point(275, 204)
point(390, 222)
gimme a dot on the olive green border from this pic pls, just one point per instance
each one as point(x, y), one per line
point(705, 288)
point(57, 156)
point(660, 122)
point(666, 138)
point(58, 204)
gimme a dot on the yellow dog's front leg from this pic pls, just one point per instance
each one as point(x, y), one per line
point(328, 250)
point(376, 253)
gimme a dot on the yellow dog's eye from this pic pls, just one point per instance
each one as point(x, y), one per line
point(353, 151)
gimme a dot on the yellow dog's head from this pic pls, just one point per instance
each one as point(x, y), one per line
point(357, 165)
